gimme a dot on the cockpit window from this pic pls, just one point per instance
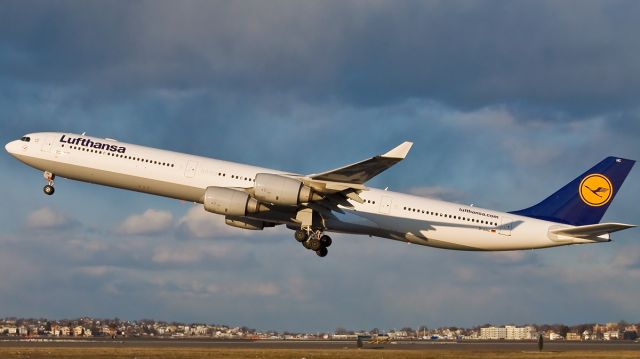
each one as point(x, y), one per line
point(25, 139)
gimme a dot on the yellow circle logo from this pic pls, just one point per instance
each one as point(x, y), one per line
point(595, 190)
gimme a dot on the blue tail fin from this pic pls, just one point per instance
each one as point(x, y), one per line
point(585, 199)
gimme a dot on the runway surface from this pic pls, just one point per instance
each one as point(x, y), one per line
point(323, 344)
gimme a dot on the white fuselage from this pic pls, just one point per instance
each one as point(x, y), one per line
point(182, 176)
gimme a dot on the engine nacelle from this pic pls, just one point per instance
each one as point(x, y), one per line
point(282, 190)
point(244, 223)
point(231, 202)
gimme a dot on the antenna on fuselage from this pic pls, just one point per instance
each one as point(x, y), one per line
point(83, 134)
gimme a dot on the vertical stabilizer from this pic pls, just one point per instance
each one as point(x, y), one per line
point(585, 199)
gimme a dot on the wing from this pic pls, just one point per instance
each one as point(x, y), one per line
point(363, 171)
point(329, 190)
point(340, 184)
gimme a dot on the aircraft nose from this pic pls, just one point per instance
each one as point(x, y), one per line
point(11, 147)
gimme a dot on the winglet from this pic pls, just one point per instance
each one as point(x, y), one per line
point(399, 151)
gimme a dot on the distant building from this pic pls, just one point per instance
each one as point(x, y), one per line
point(493, 333)
point(611, 334)
point(509, 332)
point(106, 330)
point(344, 337)
point(34, 330)
point(573, 336)
point(519, 333)
point(78, 330)
point(198, 330)
point(555, 336)
point(472, 335)
point(55, 330)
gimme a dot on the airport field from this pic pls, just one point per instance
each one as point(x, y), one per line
point(351, 353)
point(309, 350)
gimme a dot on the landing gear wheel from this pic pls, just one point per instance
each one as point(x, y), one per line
point(300, 235)
point(325, 241)
point(48, 190)
point(306, 244)
point(322, 252)
point(314, 243)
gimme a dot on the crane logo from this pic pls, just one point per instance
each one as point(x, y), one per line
point(595, 190)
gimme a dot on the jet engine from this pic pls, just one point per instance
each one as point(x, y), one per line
point(282, 190)
point(244, 223)
point(231, 202)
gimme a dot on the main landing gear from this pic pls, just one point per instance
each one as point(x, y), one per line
point(313, 240)
point(48, 189)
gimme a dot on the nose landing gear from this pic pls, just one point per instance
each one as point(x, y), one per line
point(49, 189)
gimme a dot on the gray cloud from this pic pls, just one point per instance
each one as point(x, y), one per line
point(148, 223)
point(200, 224)
point(48, 218)
point(578, 57)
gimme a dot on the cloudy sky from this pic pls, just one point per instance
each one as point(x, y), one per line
point(505, 101)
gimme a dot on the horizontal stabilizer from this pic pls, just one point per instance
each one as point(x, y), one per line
point(591, 230)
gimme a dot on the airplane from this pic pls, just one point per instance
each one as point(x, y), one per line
point(335, 201)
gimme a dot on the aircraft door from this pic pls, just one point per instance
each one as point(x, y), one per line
point(505, 226)
point(46, 145)
point(385, 204)
point(190, 172)
point(57, 151)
